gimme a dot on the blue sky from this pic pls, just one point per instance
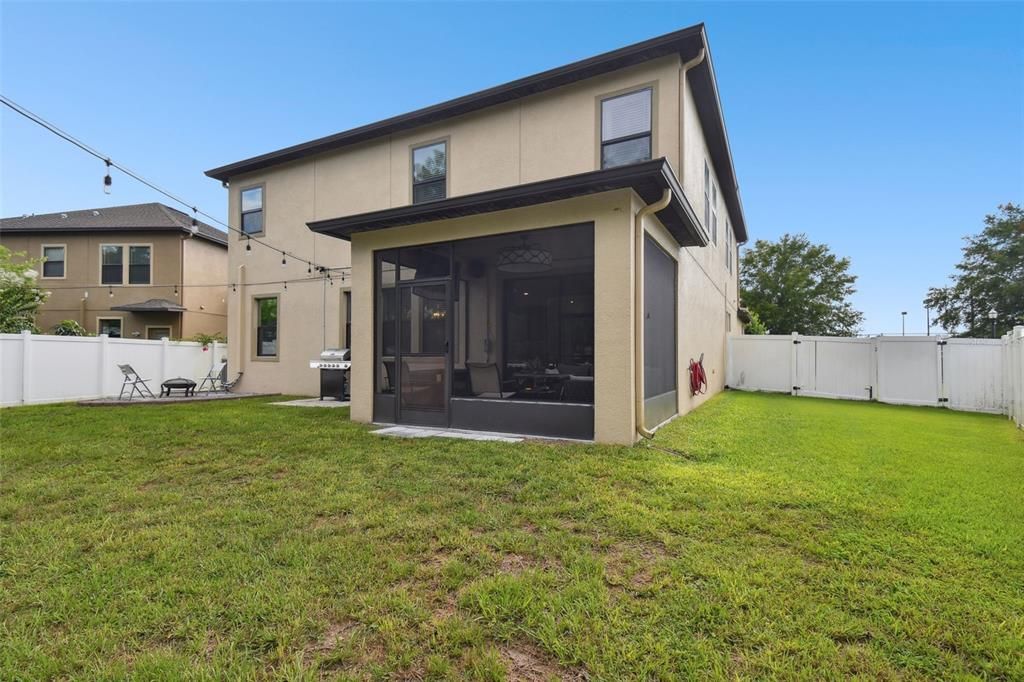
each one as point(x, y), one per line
point(885, 130)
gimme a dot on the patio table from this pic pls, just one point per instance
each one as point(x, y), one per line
point(179, 383)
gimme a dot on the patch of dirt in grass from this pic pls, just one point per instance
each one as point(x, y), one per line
point(334, 636)
point(527, 663)
point(631, 565)
point(329, 521)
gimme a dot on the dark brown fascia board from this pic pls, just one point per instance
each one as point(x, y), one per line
point(71, 229)
point(648, 179)
point(688, 40)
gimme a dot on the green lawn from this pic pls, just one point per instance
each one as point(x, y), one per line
point(759, 536)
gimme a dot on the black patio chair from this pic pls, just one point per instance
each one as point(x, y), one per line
point(485, 381)
point(132, 378)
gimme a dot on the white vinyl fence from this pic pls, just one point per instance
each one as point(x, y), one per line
point(45, 369)
point(978, 375)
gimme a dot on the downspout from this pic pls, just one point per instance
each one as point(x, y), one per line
point(638, 307)
point(682, 109)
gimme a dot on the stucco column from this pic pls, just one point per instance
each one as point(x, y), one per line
point(614, 418)
point(362, 332)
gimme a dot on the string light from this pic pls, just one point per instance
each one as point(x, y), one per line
point(107, 180)
point(195, 223)
point(284, 262)
point(111, 291)
point(175, 290)
point(248, 246)
point(234, 287)
point(309, 270)
point(286, 286)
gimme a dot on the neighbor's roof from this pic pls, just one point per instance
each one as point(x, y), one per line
point(687, 43)
point(135, 217)
point(153, 305)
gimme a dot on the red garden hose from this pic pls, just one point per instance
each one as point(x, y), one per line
point(698, 380)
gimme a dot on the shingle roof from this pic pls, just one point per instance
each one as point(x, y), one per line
point(153, 305)
point(144, 217)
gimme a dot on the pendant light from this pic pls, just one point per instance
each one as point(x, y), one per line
point(524, 258)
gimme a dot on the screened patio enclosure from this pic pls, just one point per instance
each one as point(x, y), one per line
point(490, 333)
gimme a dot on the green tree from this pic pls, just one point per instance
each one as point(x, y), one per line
point(20, 295)
point(793, 285)
point(755, 327)
point(989, 276)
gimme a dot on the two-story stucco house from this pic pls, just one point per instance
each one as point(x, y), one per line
point(542, 257)
point(138, 271)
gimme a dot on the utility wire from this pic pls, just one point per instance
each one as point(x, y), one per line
point(40, 121)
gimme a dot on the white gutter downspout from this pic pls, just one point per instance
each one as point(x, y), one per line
point(682, 105)
point(638, 307)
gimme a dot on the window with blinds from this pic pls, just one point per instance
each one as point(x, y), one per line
point(429, 172)
point(626, 128)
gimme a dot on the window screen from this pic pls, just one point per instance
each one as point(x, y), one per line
point(112, 268)
point(252, 210)
point(138, 264)
point(53, 265)
point(626, 129)
point(266, 327)
point(429, 172)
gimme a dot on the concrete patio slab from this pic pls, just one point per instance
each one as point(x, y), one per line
point(426, 432)
point(314, 402)
point(171, 400)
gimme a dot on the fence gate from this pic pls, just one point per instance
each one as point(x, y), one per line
point(982, 375)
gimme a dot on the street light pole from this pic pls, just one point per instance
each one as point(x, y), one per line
point(928, 321)
point(992, 315)
point(903, 317)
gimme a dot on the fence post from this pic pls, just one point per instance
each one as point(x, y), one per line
point(104, 357)
point(163, 359)
point(26, 366)
point(214, 352)
point(793, 372)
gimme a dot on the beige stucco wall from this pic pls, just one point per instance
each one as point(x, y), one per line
point(205, 270)
point(545, 136)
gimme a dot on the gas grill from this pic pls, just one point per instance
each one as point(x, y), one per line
point(334, 365)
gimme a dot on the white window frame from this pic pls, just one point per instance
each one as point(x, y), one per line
point(728, 245)
point(42, 266)
point(126, 259)
point(119, 318)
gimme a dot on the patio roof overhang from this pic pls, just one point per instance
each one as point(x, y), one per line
point(648, 179)
point(153, 305)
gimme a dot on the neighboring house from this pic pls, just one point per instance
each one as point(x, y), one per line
point(498, 277)
point(127, 271)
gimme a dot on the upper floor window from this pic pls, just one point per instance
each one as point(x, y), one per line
point(707, 195)
point(714, 213)
point(728, 246)
point(429, 172)
point(252, 210)
point(137, 270)
point(53, 261)
point(626, 128)
point(111, 264)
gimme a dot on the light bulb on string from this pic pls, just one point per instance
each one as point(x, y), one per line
point(234, 287)
point(248, 245)
point(107, 180)
point(195, 223)
point(309, 268)
point(284, 261)
point(175, 290)
point(110, 291)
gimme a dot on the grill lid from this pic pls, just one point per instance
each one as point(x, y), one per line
point(336, 354)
